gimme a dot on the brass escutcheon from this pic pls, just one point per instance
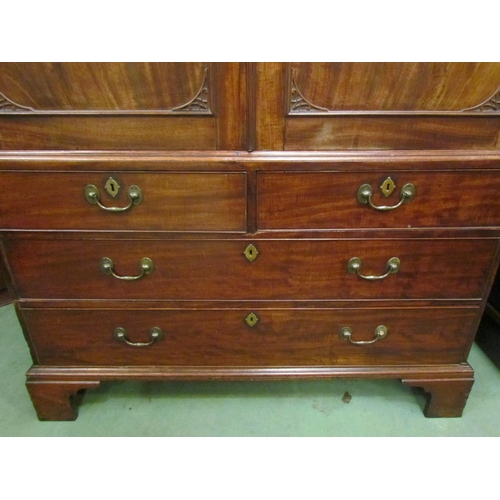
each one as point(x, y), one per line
point(251, 320)
point(251, 253)
point(387, 187)
point(112, 187)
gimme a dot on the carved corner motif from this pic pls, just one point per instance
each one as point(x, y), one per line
point(200, 102)
point(298, 103)
point(492, 104)
point(8, 106)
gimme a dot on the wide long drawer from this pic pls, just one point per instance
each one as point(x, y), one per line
point(222, 337)
point(294, 269)
point(169, 201)
point(331, 200)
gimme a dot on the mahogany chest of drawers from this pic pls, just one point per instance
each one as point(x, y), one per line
point(183, 221)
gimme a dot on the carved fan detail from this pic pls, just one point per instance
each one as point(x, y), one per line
point(8, 106)
point(298, 103)
point(491, 104)
point(199, 104)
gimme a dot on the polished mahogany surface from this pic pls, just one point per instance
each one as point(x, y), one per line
point(252, 210)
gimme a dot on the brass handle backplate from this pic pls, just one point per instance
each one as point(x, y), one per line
point(354, 267)
point(107, 267)
point(365, 193)
point(380, 333)
point(121, 335)
point(91, 194)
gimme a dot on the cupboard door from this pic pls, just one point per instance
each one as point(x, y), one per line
point(329, 106)
point(121, 106)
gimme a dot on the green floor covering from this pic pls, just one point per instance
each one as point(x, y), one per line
point(286, 408)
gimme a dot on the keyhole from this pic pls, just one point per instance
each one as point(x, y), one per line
point(251, 253)
point(112, 187)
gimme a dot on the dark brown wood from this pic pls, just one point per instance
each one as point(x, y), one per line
point(445, 397)
point(391, 106)
point(183, 106)
point(394, 132)
point(5, 292)
point(270, 106)
point(145, 373)
point(218, 270)
point(206, 144)
point(232, 108)
point(251, 125)
point(328, 200)
point(202, 201)
point(107, 132)
point(455, 377)
point(220, 337)
point(336, 161)
point(402, 86)
point(101, 86)
point(56, 400)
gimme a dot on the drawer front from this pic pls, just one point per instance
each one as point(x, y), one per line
point(219, 270)
point(329, 200)
point(170, 201)
point(221, 337)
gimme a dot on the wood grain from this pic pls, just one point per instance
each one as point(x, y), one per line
point(107, 132)
point(393, 132)
point(283, 270)
point(270, 92)
point(221, 337)
point(67, 86)
point(328, 200)
point(197, 201)
point(397, 85)
point(446, 398)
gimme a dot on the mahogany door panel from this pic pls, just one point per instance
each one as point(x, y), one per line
point(329, 200)
point(196, 201)
point(377, 106)
point(282, 270)
point(110, 105)
point(394, 86)
point(222, 337)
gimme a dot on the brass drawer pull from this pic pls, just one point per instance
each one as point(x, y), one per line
point(92, 196)
point(365, 193)
point(354, 267)
point(107, 267)
point(380, 333)
point(121, 335)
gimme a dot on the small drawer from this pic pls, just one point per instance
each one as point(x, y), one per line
point(238, 269)
point(331, 200)
point(250, 337)
point(167, 201)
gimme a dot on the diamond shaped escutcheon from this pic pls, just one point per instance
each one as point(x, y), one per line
point(251, 320)
point(387, 187)
point(112, 187)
